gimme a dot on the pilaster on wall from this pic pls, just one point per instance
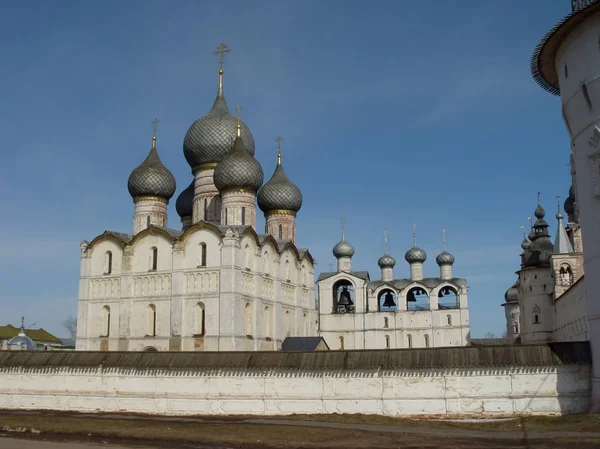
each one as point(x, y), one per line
point(207, 201)
point(281, 224)
point(149, 210)
point(238, 208)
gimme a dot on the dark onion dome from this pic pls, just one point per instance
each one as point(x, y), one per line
point(539, 212)
point(151, 178)
point(386, 261)
point(525, 243)
point(185, 202)
point(209, 138)
point(512, 294)
point(343, 248)
point(238, 169)
point(415, 254)
point(279, 193)
point(444, 258)
point(541, 247)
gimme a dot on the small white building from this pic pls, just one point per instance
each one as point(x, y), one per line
point(356, 312)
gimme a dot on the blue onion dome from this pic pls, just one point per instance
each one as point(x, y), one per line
point(415, 254)
point(386, 261)
point(185, 202)
point(238, 169)
point(279, 193)
point(152, 178)
point(209, 138)
point(343, 248)
point(444, 258)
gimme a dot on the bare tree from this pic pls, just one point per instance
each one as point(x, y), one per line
point(70, 325)
point(489, 335)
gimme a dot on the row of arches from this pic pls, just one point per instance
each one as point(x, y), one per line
point(151, 322)
point(409, 341)
point(417, 298)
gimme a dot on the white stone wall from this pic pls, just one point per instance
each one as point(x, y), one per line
point(571, 315)
point(578, 67)
point(207, 201)
point(402, 392)
point(149, 210)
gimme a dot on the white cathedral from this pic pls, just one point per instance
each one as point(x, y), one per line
point(219, 285)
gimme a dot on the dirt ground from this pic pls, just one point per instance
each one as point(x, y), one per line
point(295, 432)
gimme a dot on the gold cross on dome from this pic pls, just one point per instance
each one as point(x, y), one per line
point(221, 50)
point(154, 122)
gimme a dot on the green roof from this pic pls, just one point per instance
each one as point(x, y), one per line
point(37, 335)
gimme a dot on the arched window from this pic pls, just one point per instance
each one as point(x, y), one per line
point(341, 342)
point(205, 216)
point(386, 322)
point(448, 298)
point(267, 323)
point(409, 340)
point(287, 270)
point(153, 258)
point(288, 324)
point(108, 262)
point(243, 216)
point(343, 297)
point(305, 324)
point(387, 300)
point(105, 322)
point(200, 319)
point(566, 275)
point(148, 221)
point(280, 232)
point(449, 320)
point(225, 215)
point(151, 321)
point(426, 340)
point(387, 342)
point(202, 254)
point(248, 319)
point(417, 298)
point(516, 328)
point(536, 314)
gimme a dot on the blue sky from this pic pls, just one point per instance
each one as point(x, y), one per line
point(393, 113)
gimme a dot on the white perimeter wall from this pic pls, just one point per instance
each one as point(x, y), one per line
point(501, 391)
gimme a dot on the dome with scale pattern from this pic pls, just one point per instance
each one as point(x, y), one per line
point(444, 258)
point(415, 254)
point(151, 178)
point(185, 202)
point(238, 169)
point(279, 193)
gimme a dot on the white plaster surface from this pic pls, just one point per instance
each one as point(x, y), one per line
point(480, 392)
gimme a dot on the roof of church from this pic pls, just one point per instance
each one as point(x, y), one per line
point(551, 354)
point(359, 274)
point(428, 282)
point(302, 343)
point(40, 335)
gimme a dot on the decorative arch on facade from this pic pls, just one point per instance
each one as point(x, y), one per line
point(448, 297)
point(152, 230)
point(427, 341)
point(248, 319)
point(267, 323)
point(199, 319)
point(153, 258)
point(409, 341)
point(107, 236)
point(108, 262)
point(536, 315)
point(344, 296)
point(151, 320)
point(387, 300)
point(417, 298)
point(105, 322)
point(566, 275)
point(202, 253)
point(201, 225)
point(387, 342)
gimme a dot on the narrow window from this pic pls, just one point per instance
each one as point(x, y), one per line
point(151, 321)
point(516, 328)
point(248, 319)
point(106, 321)
point(202, 254)
point(426, 340)
point(154, 257)
point(205, 209)
point(200, 321)
point(267, 323)
point(243, 216)
point(341, 342)
point(280, 232)
point(387, 342)
point(449, 318)
point(148, 221)
point(409, 337)
point(108, 263)
point(225, 216)
point(536, 319)
point(386, 322)
point(586, 95)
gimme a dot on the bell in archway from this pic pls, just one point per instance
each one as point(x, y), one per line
point(411, 296)
point(441, 294)
point(389, 300)
point(345, 299)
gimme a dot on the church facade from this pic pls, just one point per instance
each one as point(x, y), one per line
point(216, 284)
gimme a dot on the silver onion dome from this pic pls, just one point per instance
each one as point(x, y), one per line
point(185, 202)
point(238, 169)
point(444, 258)
point(151, 178)
point(209, 138)
point(415, 254)
point(386, 261)
point(343, 248)
point(22, 340)
point(279, 193)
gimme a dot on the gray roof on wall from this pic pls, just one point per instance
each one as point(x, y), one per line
point(460, 357)
point(302, 343)
point(364, 275)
